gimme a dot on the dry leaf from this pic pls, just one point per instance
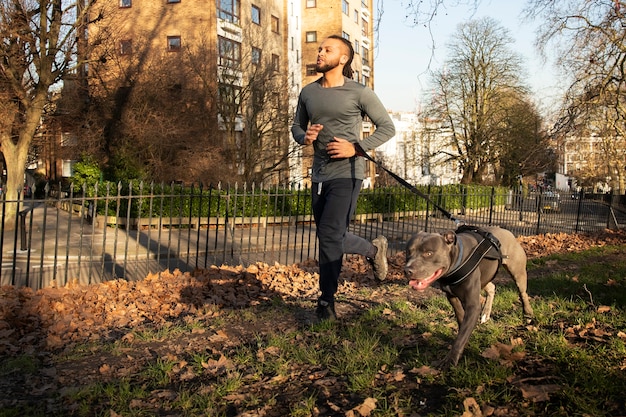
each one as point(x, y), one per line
point(538, 393)
point(504, 353)
point(398, 375)
point(366, 408)
point(218, 366)
point(424, 371)
point(471, 408)
point(492, 352)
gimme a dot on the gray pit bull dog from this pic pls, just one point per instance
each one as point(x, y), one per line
point(433, 258)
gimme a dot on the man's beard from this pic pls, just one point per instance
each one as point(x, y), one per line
point(327, 66)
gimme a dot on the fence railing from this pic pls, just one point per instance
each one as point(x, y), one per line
point(131, 231)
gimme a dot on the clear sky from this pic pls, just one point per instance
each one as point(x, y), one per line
point(402, 57)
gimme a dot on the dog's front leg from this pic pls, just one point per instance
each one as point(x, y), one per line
point(459, 311)
point(467, 307)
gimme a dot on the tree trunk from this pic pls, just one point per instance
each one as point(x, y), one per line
point(15, 157)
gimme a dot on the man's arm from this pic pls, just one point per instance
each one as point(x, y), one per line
point(300, 123)
point(385, 129)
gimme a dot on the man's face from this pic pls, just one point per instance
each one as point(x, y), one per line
point(330, 55)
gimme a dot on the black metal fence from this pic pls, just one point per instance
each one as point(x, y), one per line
point(130, 232)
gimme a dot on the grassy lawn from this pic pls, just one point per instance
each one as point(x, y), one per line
point(271, 359)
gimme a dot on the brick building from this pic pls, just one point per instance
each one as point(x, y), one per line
point(230, 40)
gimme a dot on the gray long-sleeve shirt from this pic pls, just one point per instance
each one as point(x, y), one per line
point(340, 110)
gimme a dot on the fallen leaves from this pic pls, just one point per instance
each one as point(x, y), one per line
point(540, 245)
point(504, 353)
point(51, 318)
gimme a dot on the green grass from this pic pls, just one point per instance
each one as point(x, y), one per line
point(575, 348)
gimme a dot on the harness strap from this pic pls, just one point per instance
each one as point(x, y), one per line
point(458, 275)
point(487, 244)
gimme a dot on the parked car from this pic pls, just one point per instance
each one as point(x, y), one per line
point(550, 202)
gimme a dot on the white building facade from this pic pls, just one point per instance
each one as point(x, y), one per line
point(418, 152)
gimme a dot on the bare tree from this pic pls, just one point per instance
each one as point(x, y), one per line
point(472, 94)
point(39, 44)
point(253, 107)
point(589, 37)
point(151, 112)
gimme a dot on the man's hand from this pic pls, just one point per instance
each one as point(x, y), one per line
point(340, 148)
point(311, 133)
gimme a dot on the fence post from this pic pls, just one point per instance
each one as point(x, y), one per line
point(491, 205)
point(22, 214)
point(463, 199)
point(427, 210)
point(611, 221)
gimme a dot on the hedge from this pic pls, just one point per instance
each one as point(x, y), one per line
point(136, 199)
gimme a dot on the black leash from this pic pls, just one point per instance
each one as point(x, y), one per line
point(405, 183)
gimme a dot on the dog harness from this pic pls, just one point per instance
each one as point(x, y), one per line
point(488, 247)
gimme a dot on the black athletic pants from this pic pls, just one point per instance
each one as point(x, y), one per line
point(334, 203)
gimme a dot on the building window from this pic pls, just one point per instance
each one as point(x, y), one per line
point(126, 47)
point(256, 15)
point(345, 7)
point(356, 76)
point(365, 53)
point(356, 16)
point(256, 56)
point(275, 62)
point(365, 27)
point(228, 10)
point(311, 36)
point(311, 3)
point(126, 3)
point(345, 35)
point(275, 25)
point(173, 43)
point(310, 69)
point(229, 97)
point(67, 167)
point(356, 47)
point(229, 52)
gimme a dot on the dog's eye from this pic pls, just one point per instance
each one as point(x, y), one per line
point(428, 254)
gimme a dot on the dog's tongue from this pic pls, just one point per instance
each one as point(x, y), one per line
point(422, 284)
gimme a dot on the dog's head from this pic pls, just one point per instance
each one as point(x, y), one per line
point(428, 257)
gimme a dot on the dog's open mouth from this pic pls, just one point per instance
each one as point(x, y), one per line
point(422, 284)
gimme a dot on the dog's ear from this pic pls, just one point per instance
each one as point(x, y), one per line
point(449, 237)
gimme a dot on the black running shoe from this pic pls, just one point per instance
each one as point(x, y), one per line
point(325, 310)
point(379, 263)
